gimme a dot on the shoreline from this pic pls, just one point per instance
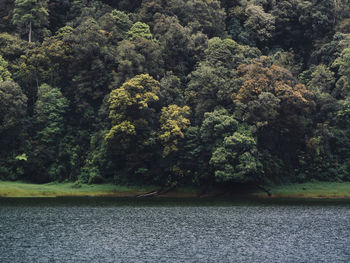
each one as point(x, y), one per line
point(314, 190)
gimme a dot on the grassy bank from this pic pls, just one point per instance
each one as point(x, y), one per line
point(306, 190)
point(309, 190)
point(21, 189)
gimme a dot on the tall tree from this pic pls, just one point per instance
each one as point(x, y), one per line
point(13, 105)
point(49, 122)
point(134, 113)
point(30, 14)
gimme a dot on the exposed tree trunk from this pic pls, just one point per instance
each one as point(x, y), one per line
point(150, 194)
point(159, 192)
point(264, 189)
point(30, 32)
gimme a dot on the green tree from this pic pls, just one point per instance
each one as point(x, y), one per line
point(139, 30)
point(117, 23)
point(259, 24)
point(5, 16)
point(229, 149)
point(343, 65)
point(177, 44)
point(215, 79)
point(139, 56)
point(29, 15)
point(322, 79)
point(4, 73)
point(13, 107)
point(134, 113)
point(49, 112)
point(237, 159)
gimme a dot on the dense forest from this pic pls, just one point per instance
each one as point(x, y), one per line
point(191, 92)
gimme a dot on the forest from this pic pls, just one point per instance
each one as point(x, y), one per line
point(177, 92)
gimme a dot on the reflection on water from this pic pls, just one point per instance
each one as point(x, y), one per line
point(110, 230)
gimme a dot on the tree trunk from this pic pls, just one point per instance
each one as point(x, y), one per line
point(264, 189)
point(30, 32)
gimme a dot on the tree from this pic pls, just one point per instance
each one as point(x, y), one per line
point(215, 79)
point(177, 44)
point(260, 25)
point(173, 123)
point(262, 76)
point(171, 90)
point(5, 75)
point(12, 48)
point(237, 159)
point(127, 105)
point(229, 149)
point(29, 14)
point(139, 56)
point(13, 106)
point(117, 23)
point(271, 99)
point(5, 10)
point(206, 16)
point(49, 112)
point(134, 116)
point(322, 79)
point(139, 30)
point(343, 65)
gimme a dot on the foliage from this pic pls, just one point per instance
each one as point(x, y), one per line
point(174, 92)
point(173, 124)
point(12, 105)
point(128, 103)
point(29, 15)
point(139, 30)
point(4, 73)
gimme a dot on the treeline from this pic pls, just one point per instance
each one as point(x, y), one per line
point(181, 91)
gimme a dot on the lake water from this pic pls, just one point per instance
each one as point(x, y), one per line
point(107, 230)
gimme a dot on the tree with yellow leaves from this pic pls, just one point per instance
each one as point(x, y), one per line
point(129, 105)
point(173, 124)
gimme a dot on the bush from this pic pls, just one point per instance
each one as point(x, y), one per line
point(7, 174)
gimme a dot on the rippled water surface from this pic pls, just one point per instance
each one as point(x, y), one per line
point(132, 232)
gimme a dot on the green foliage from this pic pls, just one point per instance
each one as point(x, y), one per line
point(117, 24)
point(102, 91)
point(29, 15)
point(137, 56)
point(237, 159)
point(48, 118)
point(139, 30)
point(259, 24)
point(128, 103)
point(5, 75)
point(22, 157)
point(12, 105)
point(49, 112)
point(230, 148)
point(322, 79)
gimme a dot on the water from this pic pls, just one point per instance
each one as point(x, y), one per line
point(98, 230)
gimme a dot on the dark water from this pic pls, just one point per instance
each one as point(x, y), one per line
point(98, 230)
